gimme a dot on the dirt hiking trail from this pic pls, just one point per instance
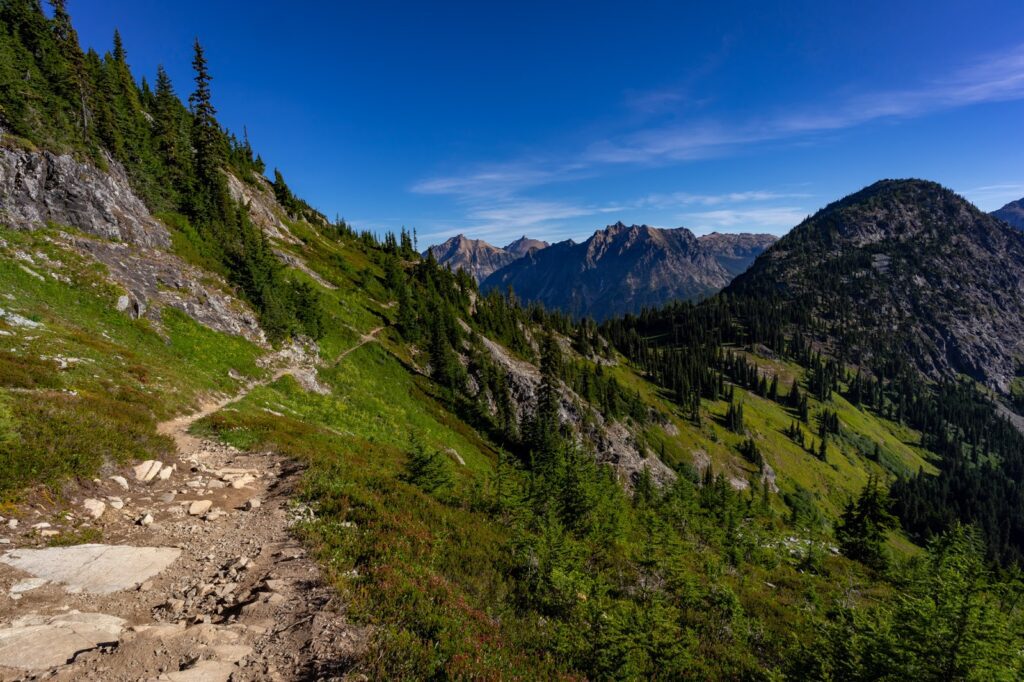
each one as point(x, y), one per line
point(199, 577)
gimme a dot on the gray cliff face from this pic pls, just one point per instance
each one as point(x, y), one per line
point(154, 279)
point(38, 188)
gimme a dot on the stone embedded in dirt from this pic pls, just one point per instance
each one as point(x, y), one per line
point(94, 507)
point(242, 481)
point(204, 671)
point(121, 481)
point(200, 507)
point(95, 569)
point(27, 585)
point(148, 470)
point(36, 642)
point(115, 502)
point(49, 533)
point(41, 525)
point(167, 498)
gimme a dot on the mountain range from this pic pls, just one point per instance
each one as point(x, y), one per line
point(220, 411)
point(1012, 213)
point(618, 269)
point(479, 258)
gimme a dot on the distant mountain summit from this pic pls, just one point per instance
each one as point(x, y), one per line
point(904, 269)
point(525, 245)
point(1012, 213)
point(736, 252)
point(479, 258)
point(619, 269)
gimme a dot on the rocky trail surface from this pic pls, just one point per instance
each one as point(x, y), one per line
point(199, 577)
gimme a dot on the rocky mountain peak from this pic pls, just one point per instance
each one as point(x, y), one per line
point(1012, 214)
point(907, 267)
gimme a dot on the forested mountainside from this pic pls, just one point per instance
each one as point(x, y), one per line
point(1012, 214)
point(493, 490)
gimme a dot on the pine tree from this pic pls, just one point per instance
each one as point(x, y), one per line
point(863, 526)
point(427, 468)
point(205, 129)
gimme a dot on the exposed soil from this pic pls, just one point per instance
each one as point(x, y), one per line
point(243, 601)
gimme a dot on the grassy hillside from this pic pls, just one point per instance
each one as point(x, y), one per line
point(500, 491)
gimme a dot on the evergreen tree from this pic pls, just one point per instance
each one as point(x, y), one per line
point(427, 468)
point(864, 524)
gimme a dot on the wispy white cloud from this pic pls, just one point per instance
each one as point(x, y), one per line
point(495, 197)
point(997, 78)
point(991, 197)
point(759, 219)
point(678, 199)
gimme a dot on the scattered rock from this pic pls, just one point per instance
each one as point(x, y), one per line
point(204, 671)
point(115, 502)
point(148, 470)
point(94, 508)
point(242, 481)
point(121, 481)
point(200, 507)
point(145, 520)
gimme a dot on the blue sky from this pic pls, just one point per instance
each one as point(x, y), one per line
point(554, 119)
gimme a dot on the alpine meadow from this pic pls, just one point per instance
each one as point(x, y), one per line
point(242, 440)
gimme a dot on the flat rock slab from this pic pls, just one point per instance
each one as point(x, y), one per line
point(36, 642)
point(96, 569)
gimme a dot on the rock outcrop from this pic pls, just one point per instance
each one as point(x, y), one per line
point(155, 279)
point(40, 188)
point(258, 198)
point(611, 441)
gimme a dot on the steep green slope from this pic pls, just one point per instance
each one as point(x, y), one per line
point(500, 491)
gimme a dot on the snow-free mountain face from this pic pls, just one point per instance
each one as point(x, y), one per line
point(479, 258)
point(525, 245)
point(736, 252)
point(619, 269)
point(1012, 213)
point(905, 268)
